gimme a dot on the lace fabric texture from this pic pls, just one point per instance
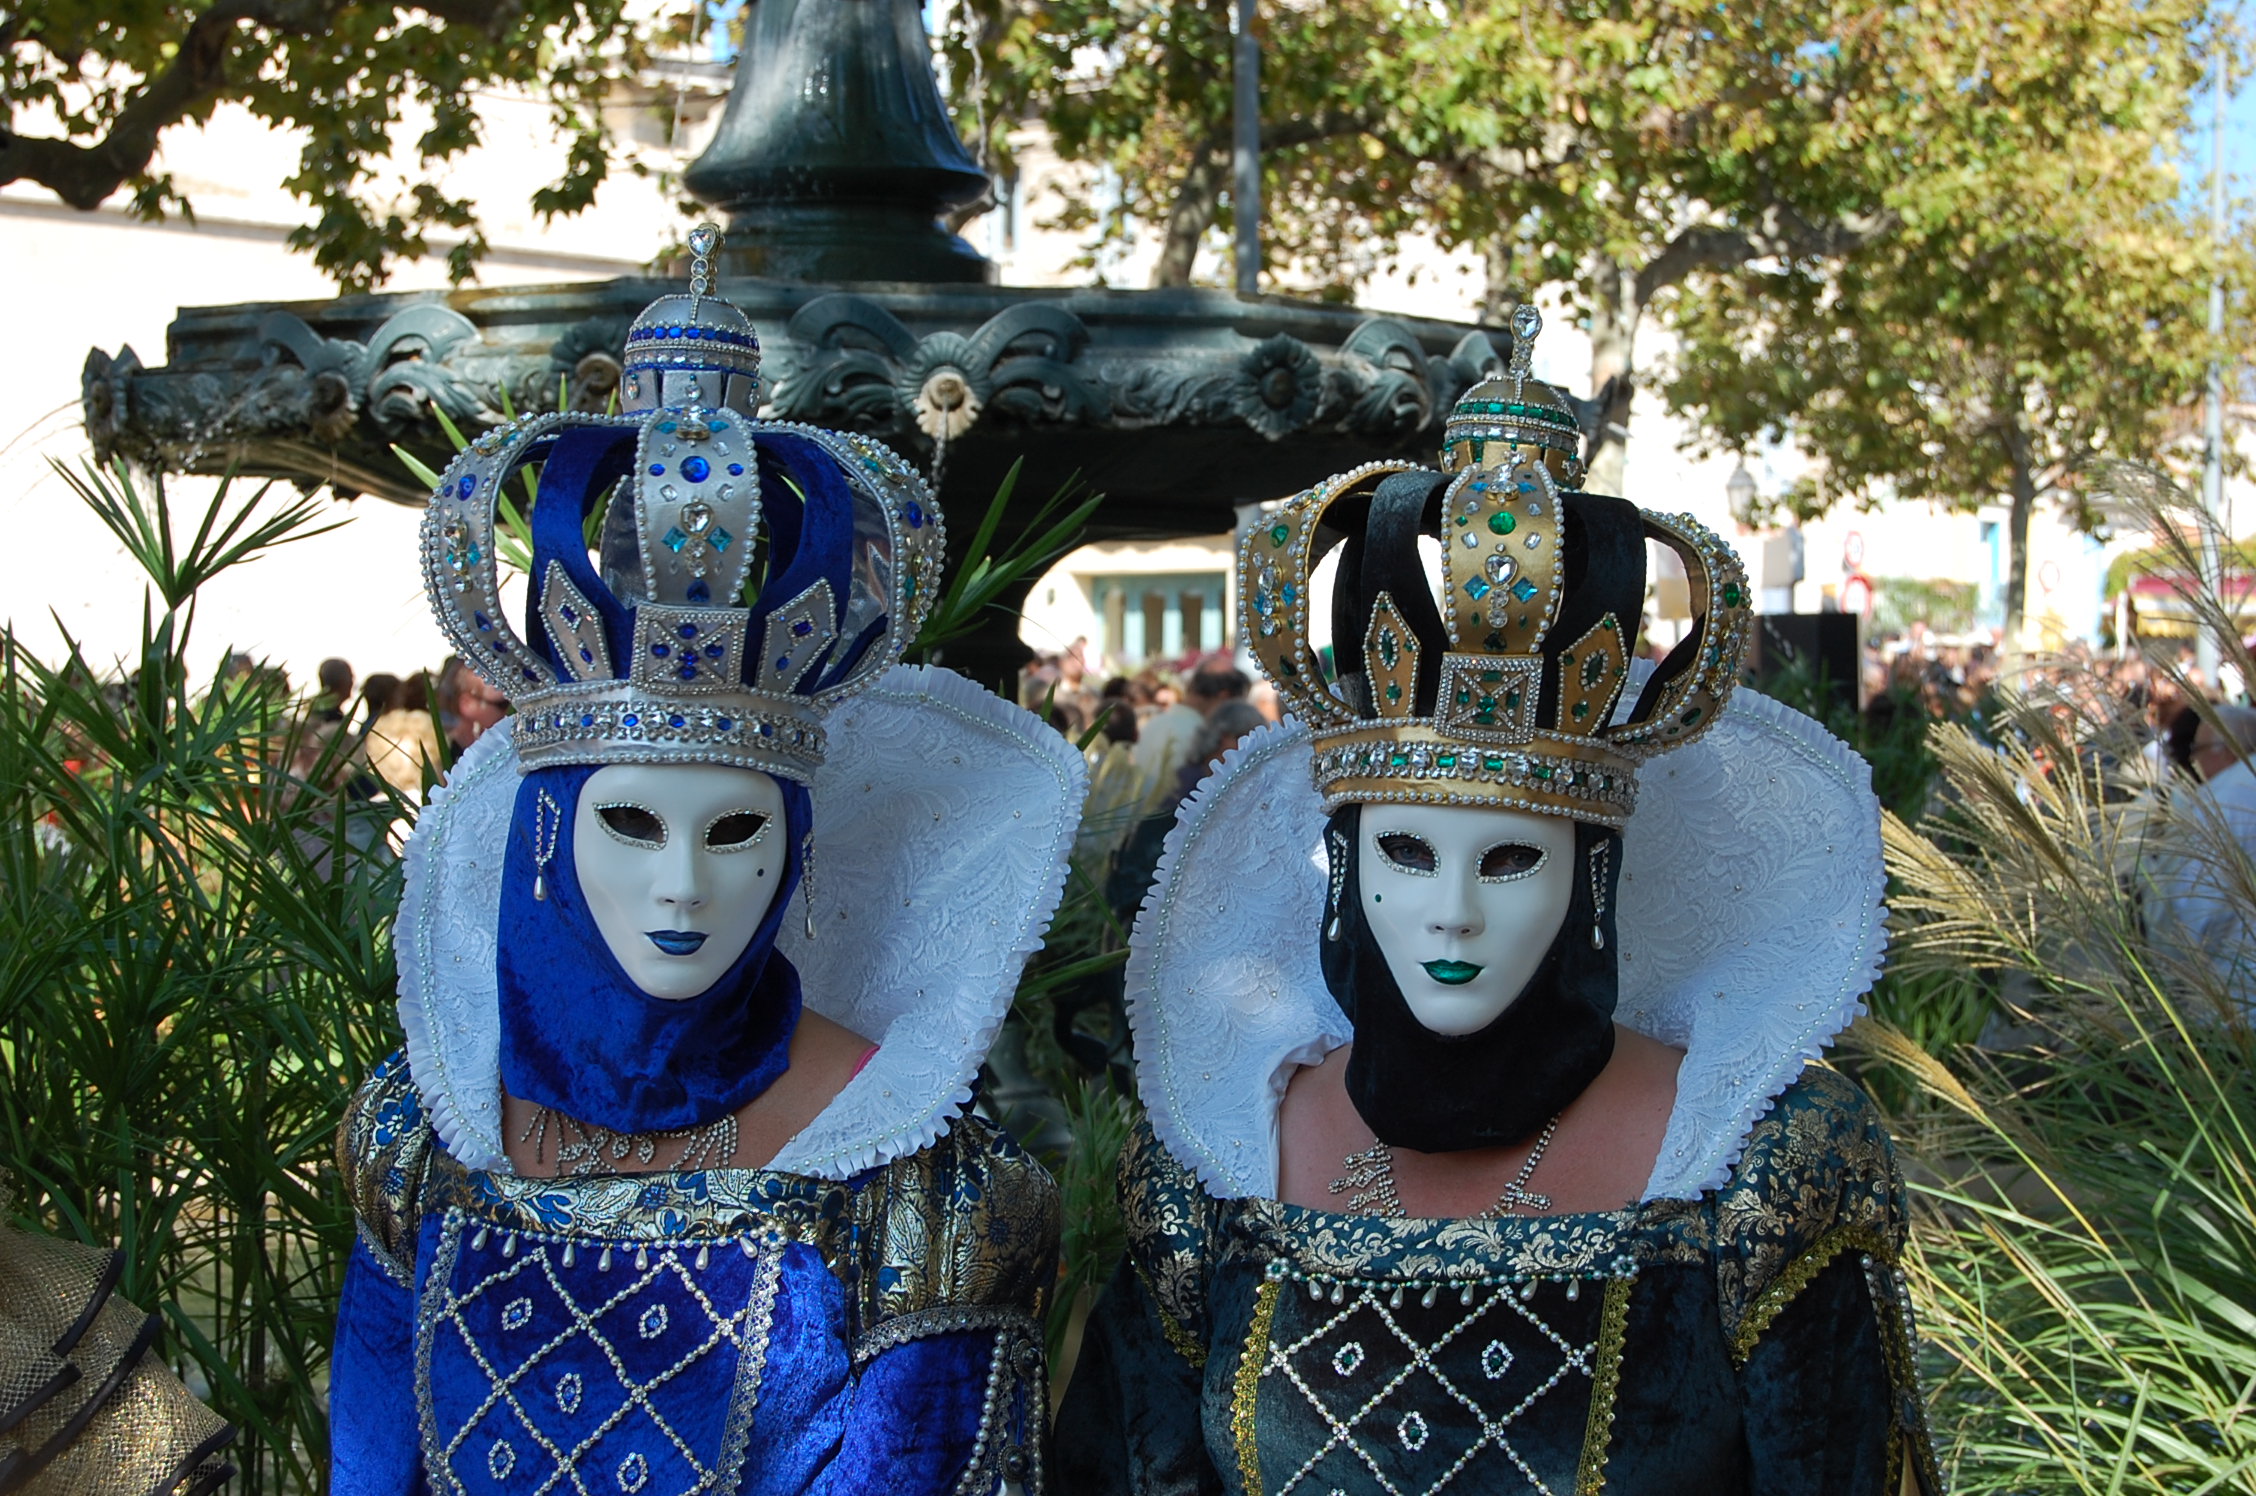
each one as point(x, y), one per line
point(943, 820)
point(1750, 925)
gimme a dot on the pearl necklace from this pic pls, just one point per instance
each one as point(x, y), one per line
point(1370, 1174)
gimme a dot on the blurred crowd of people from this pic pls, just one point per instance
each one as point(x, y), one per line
point(362, 735)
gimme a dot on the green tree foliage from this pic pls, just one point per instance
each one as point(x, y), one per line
point(93, 86)
point(1603, 152)
point(2034, 316)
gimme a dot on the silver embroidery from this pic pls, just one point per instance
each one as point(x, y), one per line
point(447, 1309)
point(1359, 1424)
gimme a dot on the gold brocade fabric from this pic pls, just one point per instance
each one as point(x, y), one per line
point(968, 1223)
point(85, 1405)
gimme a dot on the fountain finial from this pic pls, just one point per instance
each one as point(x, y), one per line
point(835, 157)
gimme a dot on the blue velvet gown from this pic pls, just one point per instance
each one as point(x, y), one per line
point(723, 1330)
point(1754, 1340)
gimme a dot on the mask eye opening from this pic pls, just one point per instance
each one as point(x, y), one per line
point(1407, 852)
point(1509, 862)
point(635, 825)
point(736, 831)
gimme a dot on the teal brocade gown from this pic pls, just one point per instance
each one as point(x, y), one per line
point(1754, 1340)
point(719, 1331)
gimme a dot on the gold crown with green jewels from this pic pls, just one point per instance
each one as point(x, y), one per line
point(1505, 690)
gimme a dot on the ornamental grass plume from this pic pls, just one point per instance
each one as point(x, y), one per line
point(2085, 1259)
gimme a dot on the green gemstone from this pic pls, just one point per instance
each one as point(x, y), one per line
point(1445, 761)
point(1511, 701)
point(1494, 641)
point(1487, 706)
point(1393, 692)
point(1464, 696)
point(1690, 717)
point(1279, 533)
point(1581, 710)
point(1733, 594)
point(1502, 523)
point(1399, 760)
point(1544, 771)
point(1288, 667)
point(1493, 765)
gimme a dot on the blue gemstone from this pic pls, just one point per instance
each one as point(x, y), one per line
point(690, 332)
point(468, 485)
point(676, 539)
point(784, 663)
point(587, 719)
point(695, 469)
point(673, 332)
point(802, 627)
point(720, 425)
point(1524, 589)
point(689, 631)
point(657, 470)
point(665, 425)
point(587, 657)
point(570, 615)
point(767, 729)
point(1477, 588)
point(915, 512)
point(529, 675)
point(1480, 485)
point(1289, 592)
point(485, 624)
point(736, 470)
point(715, 651)
point(630, 720)
point(661, 650)
point(699, 592)
point(720, 538)
point(724, 724)
point(676, 721)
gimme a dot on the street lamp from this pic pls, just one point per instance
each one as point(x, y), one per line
point(1739, 489)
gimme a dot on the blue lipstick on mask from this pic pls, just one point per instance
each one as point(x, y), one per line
point(681, 942)
point(1452, 973)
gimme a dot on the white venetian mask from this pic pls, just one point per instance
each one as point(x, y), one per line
point(1463, 903)
point(679, 864)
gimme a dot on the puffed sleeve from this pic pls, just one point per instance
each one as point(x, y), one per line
point(1131, 1417)
point(1812, 1230)
point(959, 1251)
point(383, 1150)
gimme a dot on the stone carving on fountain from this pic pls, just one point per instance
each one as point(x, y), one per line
point(285, 393)
point(872, 316)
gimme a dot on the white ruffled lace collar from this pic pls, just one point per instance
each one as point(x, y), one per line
point(944, 816)
point(1750, 924)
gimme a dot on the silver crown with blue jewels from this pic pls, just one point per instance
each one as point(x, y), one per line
point(675, 611)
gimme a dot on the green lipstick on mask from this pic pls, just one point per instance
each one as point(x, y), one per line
point(1452, 973)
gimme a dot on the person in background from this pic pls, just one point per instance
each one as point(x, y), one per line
point(376, 695)
point(403, 745)
point(2201, 878)
point(474, 707)
point(336, 678)
point(1220, 731)
point(1116, 787)
point(1165, 742)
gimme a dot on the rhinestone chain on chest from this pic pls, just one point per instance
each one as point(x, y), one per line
point(582, 1148)
point(1370, 1178)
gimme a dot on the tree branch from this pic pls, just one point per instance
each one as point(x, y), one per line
point(83, 176)
point(1777, 230)
point(1196, 198)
